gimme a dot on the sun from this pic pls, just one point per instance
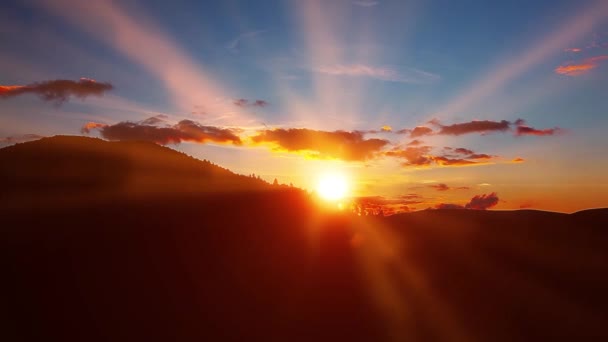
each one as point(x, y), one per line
point(332, 186)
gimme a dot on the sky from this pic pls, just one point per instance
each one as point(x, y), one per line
point(489, 104)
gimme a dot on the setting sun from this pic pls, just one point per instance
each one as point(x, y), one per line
point(332, 186)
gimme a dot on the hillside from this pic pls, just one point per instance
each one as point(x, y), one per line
point(61, 167)
point(188, 251)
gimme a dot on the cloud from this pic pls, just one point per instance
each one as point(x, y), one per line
point(518, 160)
point(414, 156)
point(445, 161)
point(478, 202)
point(375, 205)
point(573, 50)
point(246, 103)
point(58, 91)
point(482, 202)
point(445, 187)
point(448, 206)
point(234, 44)
point(418, 131)
point(577, 69)
point(461, 150)
point(185, 130)
point(386, 128)
point(351, 146)
point(474, 126)
point(366, 3)
point(89, 126)
point(15, 139)
point(522, 129)
point(415, 142)
point(421, 156)
point(383, 73)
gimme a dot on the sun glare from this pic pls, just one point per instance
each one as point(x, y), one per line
point(332, 186)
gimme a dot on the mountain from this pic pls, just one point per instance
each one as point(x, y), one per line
point(82, 168)
point(215, 263)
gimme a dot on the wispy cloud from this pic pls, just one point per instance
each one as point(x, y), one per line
point(366, 3)
point(234, 44)
point(522, 129)
point(581, 68)
point(383, 73)
point(445, 187)
point(58, 91)
point(247, 103)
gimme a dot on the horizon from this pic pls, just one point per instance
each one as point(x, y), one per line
point(419, 104)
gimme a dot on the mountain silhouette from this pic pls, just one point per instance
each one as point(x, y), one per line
point(211, 255)
point(64, 167)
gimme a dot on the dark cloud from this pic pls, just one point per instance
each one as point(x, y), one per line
point(185, 130)
point(421, 156)
point(445, 187)
point(248, 103)
point(448, 206)
point(58, 91)
point(474, 126)
point(155, 120)
point(479, 202)
point(15, 139)
point(483, 202)
point(461, 150)
point(522, 129)
point(343, 145)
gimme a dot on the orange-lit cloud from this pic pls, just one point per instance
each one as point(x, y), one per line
point(386, 128)
point(522, 129)
point(414, 156)
point(58, 91)
point(418, 131)
point(518, 160)
point(185, 130)
point(415, 142)
point(379, 205)
point(573, 50)
point(89, 126)
point(581, 68)
point(351, 146)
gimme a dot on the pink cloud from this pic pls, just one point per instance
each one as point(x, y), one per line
point(576, 69)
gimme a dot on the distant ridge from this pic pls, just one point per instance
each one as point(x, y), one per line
point(78, 166)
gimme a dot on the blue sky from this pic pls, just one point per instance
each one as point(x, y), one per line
point(352, 66)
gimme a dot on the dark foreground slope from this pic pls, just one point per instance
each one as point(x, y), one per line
point(268, 265)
